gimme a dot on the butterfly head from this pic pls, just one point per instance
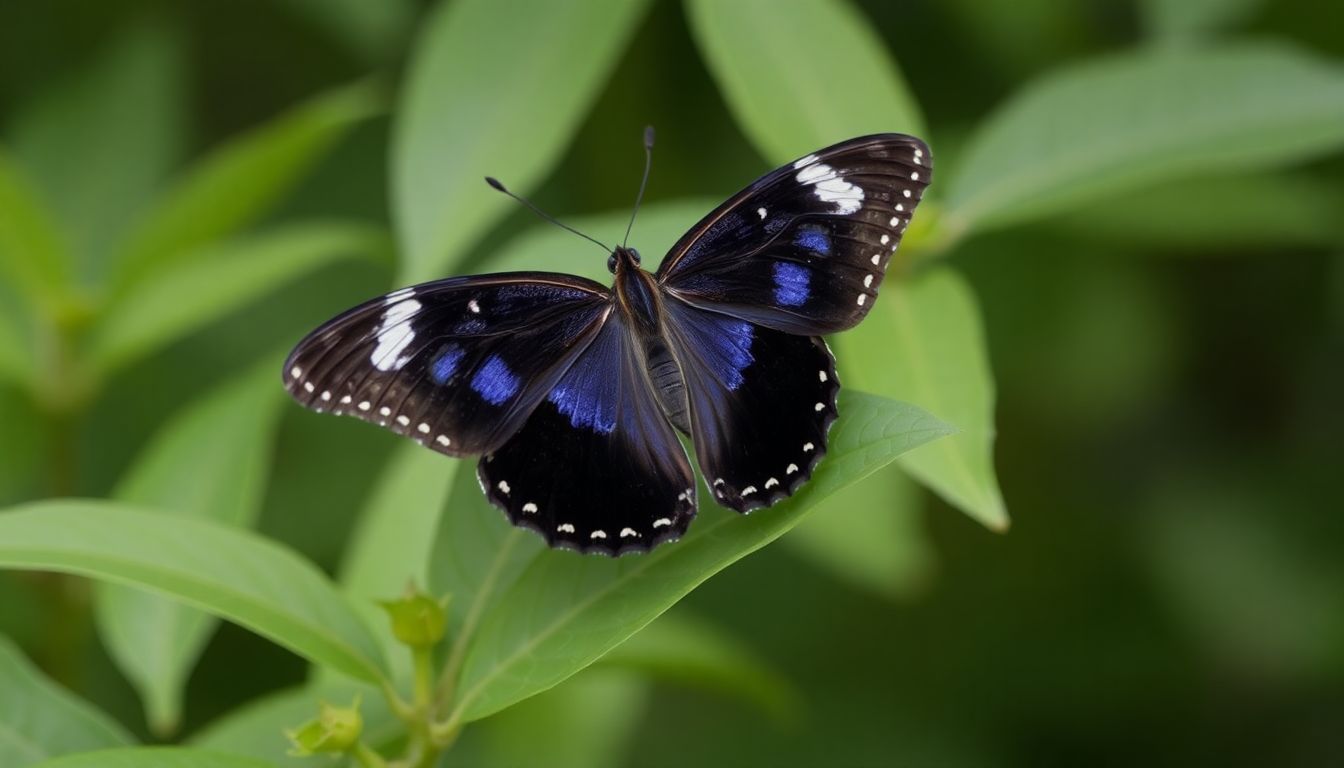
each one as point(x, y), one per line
point(622, 258)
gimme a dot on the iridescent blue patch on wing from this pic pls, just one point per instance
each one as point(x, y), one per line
point(587, 393)
point(724, 345)
point(445, 365)
point(494, 382)
point(791, 283)
point(813, 240)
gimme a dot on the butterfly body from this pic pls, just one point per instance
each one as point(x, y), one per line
point(573, 393)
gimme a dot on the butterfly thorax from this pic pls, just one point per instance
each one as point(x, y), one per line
point(640, 302)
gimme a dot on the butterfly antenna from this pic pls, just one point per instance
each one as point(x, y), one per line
point(492, 181)
point(648, 163)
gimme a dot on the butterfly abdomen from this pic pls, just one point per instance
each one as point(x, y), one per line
point(666, 377)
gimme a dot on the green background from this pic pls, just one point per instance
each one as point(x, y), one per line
point(1125, 289)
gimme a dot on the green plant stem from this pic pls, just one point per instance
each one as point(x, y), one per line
point(367, 757)
point(424, 682)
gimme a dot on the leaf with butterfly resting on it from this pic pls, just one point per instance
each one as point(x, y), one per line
point(572, 392)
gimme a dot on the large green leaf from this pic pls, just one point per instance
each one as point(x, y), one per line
point(565, 611)
point(870, 535)
point(489, 95)
point(1217, 215)
point(134, 92)
point(374, 30)
point(16, 357)
point(1143, 118)
point(154, 757)
point(211, 462)
point(32, 251)
point(222, 278)
point(802, 76)
point(923, 343)
point(233, 574)
point(39, 720)
point(241, 181)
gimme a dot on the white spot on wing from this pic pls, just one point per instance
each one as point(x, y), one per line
point(529, 508)
point(819, 407)
point(761, 212)
point(789, 470)
point(565, 528)
point(474, 307)
point(750, 489)
point(598, 534)
point(660, 522)
point(807, 447)
point(403, 420)
point(364, 405)
point(822, 375)
point(867, 281)
point(829, 187)
point(771, 483)
point(307, 386)
point(886, 239)
point(443, 440)
point(877, 258)
point(503, 487)
point(863, 297)
point(805, 161)
point(627, 532)
point(394, 335)
point(326, 395)
point(296, 371)
point(384, 411)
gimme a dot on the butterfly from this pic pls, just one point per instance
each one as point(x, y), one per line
point(572, 393)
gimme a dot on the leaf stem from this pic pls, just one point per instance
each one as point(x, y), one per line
point(366, 757)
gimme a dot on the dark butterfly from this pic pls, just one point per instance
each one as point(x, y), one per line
point(573, 392)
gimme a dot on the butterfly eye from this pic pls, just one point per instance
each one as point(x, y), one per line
point(611, 263)
point(635, 255)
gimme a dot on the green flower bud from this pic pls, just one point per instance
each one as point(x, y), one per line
point(418, 620)
point(335, 730)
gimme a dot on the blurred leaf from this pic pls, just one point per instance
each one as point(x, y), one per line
point(1259, 603)
point(241, 181)
point(394, 536)
point(1013, 37)
point(154, 757)
point(133, 95)
point(373, 30)
point(256, 728)
point(39, 719)
point(659, 227)
point(233, 574)
point(1181, 19)
point(32, 252)
point(565, 612)
point(16, 357)
point(1141, 119)
point(211, 462)
point(870, 535)
point(220, 279)
point(923, 343)
point(683, 649)
point(802, 76)
point(489, 95)
point(1217, 215)
point(586, 723)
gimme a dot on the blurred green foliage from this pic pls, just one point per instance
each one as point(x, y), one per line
point(1125, 291)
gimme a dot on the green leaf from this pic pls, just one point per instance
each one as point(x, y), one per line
point(32, 252)
point(1142, 119)
point(39, 719)
point(1217, 215)
point(238, 183)
point(16, 356)
point(134, 92)
point(488, 95)
point(923, 343)
point(683, 649)
point(565, 612)
point(802, 76)
point(256, 729)
point(870, 535)
point(154, 757)
point(233, 574)
point(393, 540)
point(586, 723)
point(1185, 19)
point(220, 279)
point(209, 462)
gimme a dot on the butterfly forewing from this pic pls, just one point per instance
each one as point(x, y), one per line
point(457, 364)
point(597, 467)
point(761, 403)
point(804, 249)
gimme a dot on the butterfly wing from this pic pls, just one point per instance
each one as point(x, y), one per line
point(596, 467)
point(456, 364)
point(804, 249)
point(761, 403)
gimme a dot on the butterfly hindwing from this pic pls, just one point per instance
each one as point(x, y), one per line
point(597, 467)
point(805, 248)
point(456, 364)
point(761, 403)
